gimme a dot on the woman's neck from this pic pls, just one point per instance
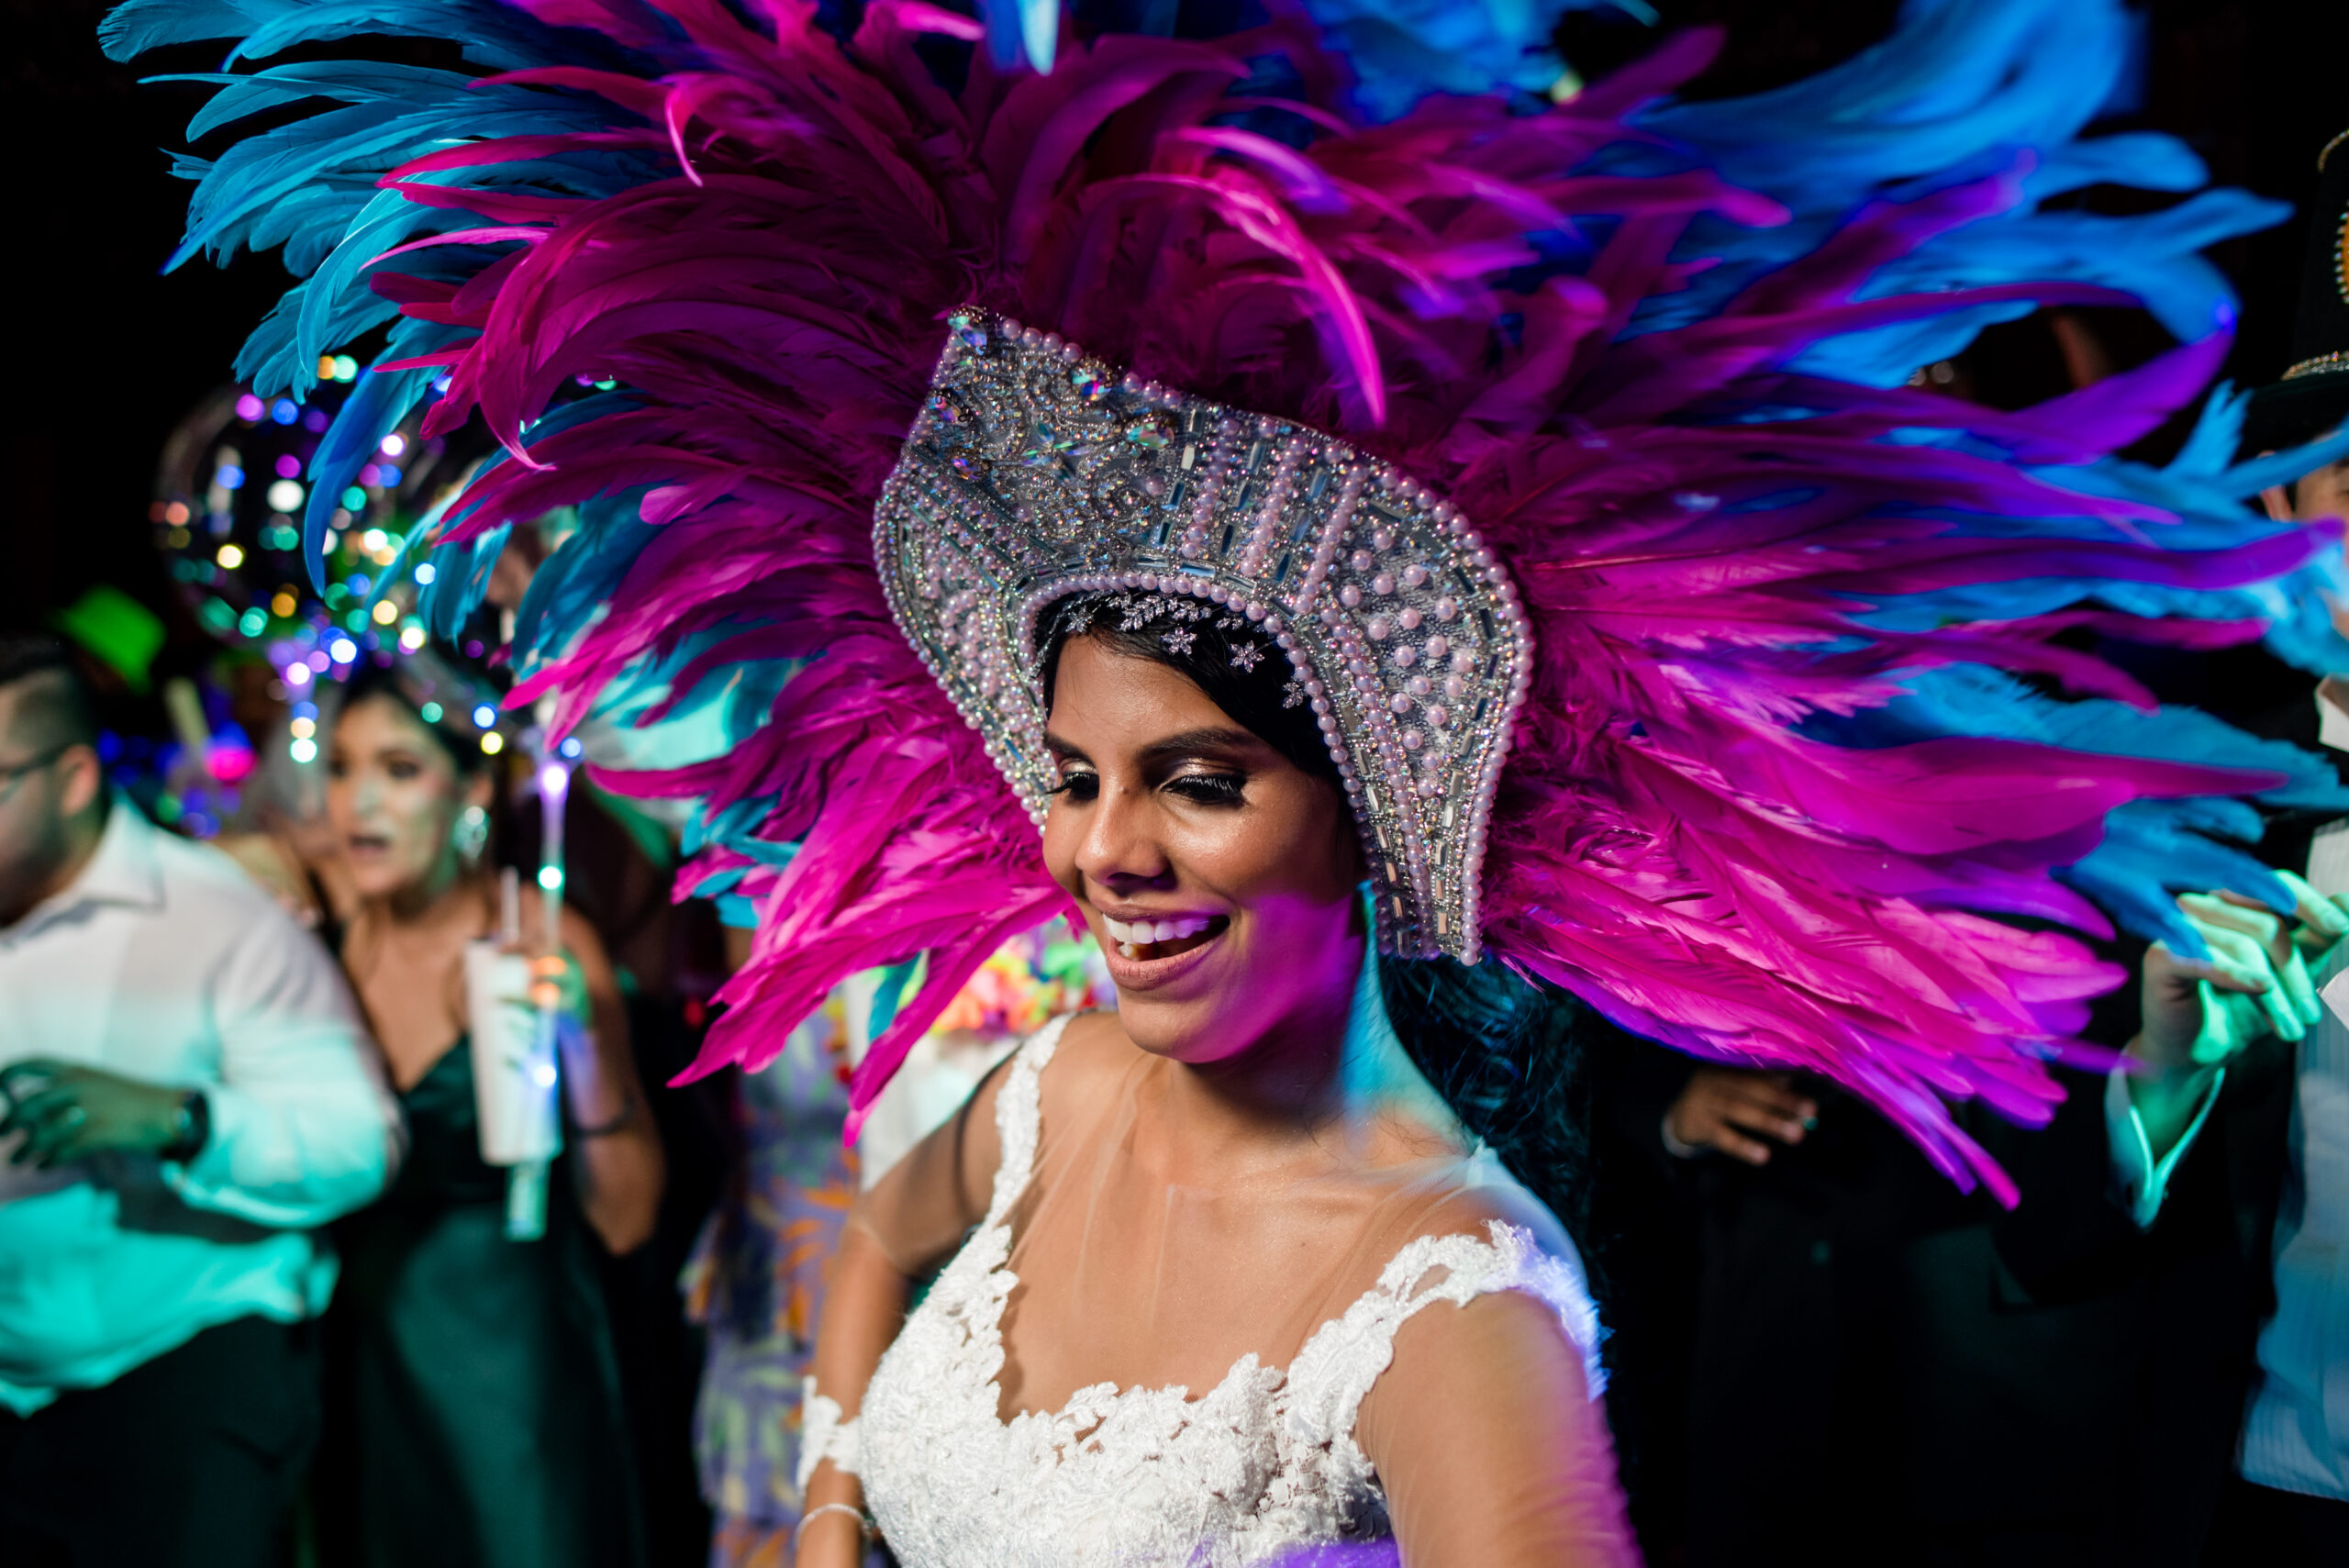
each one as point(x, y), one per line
point(446, 896)
point(1259, 1106)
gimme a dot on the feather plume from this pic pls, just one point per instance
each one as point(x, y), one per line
point(1779, 778)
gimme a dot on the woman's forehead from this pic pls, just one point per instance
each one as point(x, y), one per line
point(1112, 694)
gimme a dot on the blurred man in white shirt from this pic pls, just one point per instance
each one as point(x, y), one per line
point(189, 1093)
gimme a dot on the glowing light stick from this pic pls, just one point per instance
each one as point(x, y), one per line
point(525, 1189)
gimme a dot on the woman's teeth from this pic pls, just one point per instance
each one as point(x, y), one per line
point(1131, 935)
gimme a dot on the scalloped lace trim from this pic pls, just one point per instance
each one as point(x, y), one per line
point(1265, 1461)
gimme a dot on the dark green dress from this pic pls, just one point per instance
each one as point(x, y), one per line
point(479, 1399)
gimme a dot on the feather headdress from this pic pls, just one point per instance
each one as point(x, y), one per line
point(1785, 768)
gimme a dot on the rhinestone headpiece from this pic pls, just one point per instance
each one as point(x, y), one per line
point(1036, 472)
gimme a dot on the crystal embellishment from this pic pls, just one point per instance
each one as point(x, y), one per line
point(1035, 472)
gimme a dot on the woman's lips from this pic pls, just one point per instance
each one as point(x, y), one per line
point(1145, 966)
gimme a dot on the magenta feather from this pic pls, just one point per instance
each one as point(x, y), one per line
point(1666, 844)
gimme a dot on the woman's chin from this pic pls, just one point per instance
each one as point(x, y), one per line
point(375, 879)
point(1195, 1031)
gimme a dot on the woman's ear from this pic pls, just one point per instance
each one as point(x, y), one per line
point(481, 788)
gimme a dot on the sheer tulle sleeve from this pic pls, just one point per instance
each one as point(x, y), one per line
point(1489, 1438)
point(919, 1211)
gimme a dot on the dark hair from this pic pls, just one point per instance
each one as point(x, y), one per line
point(61, 714)
point(371, 682)
point(1500, 1050)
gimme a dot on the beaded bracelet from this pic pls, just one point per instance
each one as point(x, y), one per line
point(863, 1524)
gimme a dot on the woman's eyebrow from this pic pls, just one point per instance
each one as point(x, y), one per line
point(1190, 742)
point(1064, 749)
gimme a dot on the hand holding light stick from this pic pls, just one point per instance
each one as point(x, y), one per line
point(515, 1005)
point(525, 1192)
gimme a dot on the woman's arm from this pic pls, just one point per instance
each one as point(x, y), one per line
point(616, 1144)
point(1491, 1449)
point(906, 1224)
point(864, 1305)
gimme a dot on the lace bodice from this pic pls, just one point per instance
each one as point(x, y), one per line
point(1265, 1463)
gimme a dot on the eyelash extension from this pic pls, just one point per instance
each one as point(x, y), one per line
point(1068, 786)
point(1211, 789)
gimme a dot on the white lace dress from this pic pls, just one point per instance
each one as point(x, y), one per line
point(1262, 1466)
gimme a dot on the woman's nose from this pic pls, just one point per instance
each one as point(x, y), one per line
point(1121, 850)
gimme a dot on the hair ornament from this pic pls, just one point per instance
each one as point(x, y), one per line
point(1036, 472)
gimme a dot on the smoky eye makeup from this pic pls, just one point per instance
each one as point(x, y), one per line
point(1220, 788)
point(1078, 784)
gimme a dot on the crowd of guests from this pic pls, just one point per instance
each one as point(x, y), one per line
point(263, 1300)
point(259, 1302)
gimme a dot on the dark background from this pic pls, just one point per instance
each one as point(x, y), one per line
point(108, 352)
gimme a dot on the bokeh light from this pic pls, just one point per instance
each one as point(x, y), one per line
point(230, 556)
point(285, 495)
point(303, 751)
point(386, 612)
point(493, 743)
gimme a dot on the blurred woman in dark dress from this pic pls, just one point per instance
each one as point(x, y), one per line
point(478, 1405)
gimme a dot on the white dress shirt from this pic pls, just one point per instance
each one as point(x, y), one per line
point(163, 961)
point(2296, 1434)
point(2296, 1437)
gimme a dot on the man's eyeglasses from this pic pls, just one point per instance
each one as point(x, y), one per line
point(12, 774)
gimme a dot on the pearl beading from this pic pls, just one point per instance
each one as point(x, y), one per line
point(1035, 472)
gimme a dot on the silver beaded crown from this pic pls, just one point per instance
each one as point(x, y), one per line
point(1035, 472)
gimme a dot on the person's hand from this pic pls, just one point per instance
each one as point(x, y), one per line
point(2200, 1013)
point(1739, 1112)
point(2319, 923)
point(558, 982)
point(68, 1112)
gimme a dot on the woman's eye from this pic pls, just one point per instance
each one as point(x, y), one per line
point(1078, 785)
point(1210, 789)
point(403, 771)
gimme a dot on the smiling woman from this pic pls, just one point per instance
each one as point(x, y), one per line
point(1499, 1049)
point(1227, 1189)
